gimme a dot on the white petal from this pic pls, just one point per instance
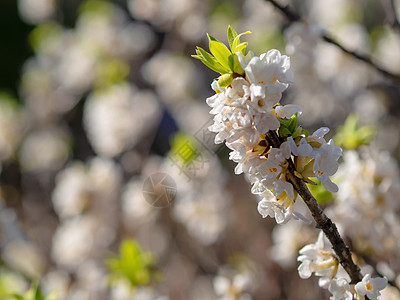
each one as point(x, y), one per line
point(330, 186)
point(257, 91)
point(380, 283)
point(287, 111)
point(267, 122)
point(265, 208)
point(360, 288)
point(304, 270)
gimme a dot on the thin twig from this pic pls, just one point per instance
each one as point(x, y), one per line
point(323, 222)
point(295, 17)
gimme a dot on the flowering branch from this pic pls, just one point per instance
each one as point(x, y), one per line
point(294, 17)
point(323, 222)
point(279, 156)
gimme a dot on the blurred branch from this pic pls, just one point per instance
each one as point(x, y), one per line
point(323, 222)
point(295, 17)
point(391, 16)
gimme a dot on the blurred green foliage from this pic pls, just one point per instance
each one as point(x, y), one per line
point(184, 148)
point(320, 193)
point(34, 293)
point(350, 136)
point(132, 265)
point(43, 32)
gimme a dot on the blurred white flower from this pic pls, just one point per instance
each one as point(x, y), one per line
point(388, 49)
point(172, 75)
point(32, 265)
point(233, 289)
point(371, 287)
point(73, 242)
point(369, 186)
point(36, 11)
point(56, 280)
point(45, 149)
point(202, 211)
point(186, 17)
point(76, 71)
point(301, 39)
point(135, 209)
point(92, 277)
point(129, 37)
point(116, 118)
point(288, 239)
point(122, 290)
point(81, 187)
point(41, 92)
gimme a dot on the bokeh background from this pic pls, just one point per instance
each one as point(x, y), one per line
point(98, 96)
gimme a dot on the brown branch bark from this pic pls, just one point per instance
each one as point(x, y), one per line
point(295, 17)
point(323, 222)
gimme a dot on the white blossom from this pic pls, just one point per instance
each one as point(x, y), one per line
point(371, 287)
point(317, 258)
point(340, 289)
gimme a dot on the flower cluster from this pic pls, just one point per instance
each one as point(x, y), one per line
point(246, 107)
point(319, 258)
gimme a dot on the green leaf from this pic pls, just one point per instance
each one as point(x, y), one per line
point(211, 38)
point(283, 122)
point(237, 68)
point(231, 36)
point(297, 132)
point(221, 53)
point(292, 124)
point(225, 80)
point(241, 47)
point(210, 61)
point(237, 42)
point(284, 132)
